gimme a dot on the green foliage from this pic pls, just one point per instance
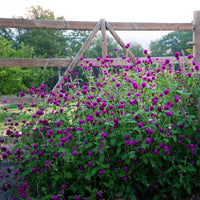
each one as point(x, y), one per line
point(171, 43)
point(133, 134)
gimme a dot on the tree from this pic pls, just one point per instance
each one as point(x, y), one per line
point(136, 49)
point(14, 79)
point(170, 43)
point(157, 49)
point(46, 43)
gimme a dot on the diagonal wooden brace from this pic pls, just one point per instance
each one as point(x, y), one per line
point(80, 53)
point(121, 43)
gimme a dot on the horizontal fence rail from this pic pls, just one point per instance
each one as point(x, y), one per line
point(83, 25)
point(62, 62)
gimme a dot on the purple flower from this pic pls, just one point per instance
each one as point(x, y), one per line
point(81, 121)
point(58, 123)
point(84, 91)
point(4, 155)
point(155, 151)
point(5, 108)
point(74, 153)
point(70, 85)
point(169, 114)
point(98, 99)
point(110, 107)
point(190, 74)
point(126, 137)
point(22, 94)
point(140, 125)
point(166, 91)
point(98, 193)
point(100, 172)
point(176, 99)
point(77, 198)
point(197, 67)
point(177, 55)
point(63, 186)
point(166, 107)
point(97, 113)
point(125, 178)
point(35, 146)
point(148, 140)
point(145, 51)
point(182, 137)
point(118, 84)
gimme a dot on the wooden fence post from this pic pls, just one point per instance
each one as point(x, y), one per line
point(104, 38)
point(196, 36)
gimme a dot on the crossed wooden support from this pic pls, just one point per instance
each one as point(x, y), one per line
point(103, 25)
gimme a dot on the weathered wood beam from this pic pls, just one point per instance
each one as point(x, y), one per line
point(130, 26)
point(34, 62)
point(196, 36)
point(88, 25)
point(61, 62)
point(104, 38)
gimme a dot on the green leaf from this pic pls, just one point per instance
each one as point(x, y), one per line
point(68, 174)
point(113, 141)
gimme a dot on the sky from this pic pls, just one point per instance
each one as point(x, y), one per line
point(173, 11)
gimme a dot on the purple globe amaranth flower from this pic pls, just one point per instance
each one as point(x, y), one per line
point(70, 85)
point(145, 51)
point(126, 137)
point(84, 91)
point(155, 151)
point(100, 172)
point(148, 140)
point(140, 125)
point(159, 108)
point(197, 67)
point(166, 91)
point(98, 99)
point(35, 146)
point(189, 74)
point(143, 84)
point(136, 142)
point(22, 94)
point(5, 108)
point(81, 121)
point(177, 55)
point(166, 107)
point(58, 123)
point(118, 84)
point(97, 113)
point(182, 137)
point(77, 198)
point(125, 178)
point(4, 155)
point(170, 114)
point(176, 99)
point(63, 187)
point(74, 153)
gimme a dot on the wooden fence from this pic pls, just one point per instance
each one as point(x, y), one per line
point(94, 27)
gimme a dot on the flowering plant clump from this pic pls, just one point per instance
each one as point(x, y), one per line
point(131, 132)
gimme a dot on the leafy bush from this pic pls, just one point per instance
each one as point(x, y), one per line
point(131, 133)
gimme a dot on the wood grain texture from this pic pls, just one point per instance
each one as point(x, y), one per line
point(196, 36)
point(61, 62)
point(89, 25)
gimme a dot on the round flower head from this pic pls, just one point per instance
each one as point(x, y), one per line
point(145, 51)
point(140, 125)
